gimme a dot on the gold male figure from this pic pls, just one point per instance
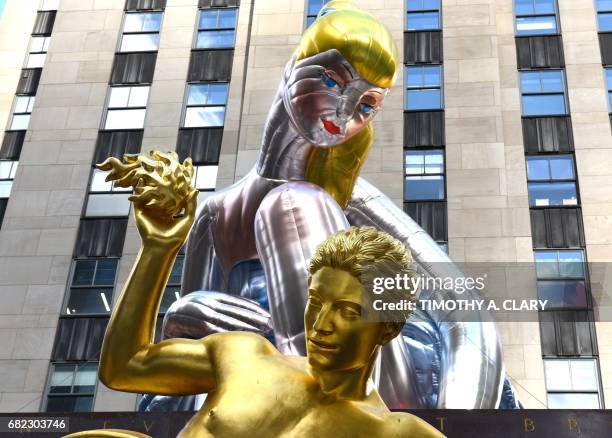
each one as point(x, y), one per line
point(253, 390)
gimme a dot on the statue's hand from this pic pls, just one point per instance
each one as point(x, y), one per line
point(162, 190)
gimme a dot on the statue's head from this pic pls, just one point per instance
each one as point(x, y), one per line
point(337, 336)
point(339, 75)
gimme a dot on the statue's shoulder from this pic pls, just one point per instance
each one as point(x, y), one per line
point(401, 424)
point(236, 344)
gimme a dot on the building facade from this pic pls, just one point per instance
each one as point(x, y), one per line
point(496, 138)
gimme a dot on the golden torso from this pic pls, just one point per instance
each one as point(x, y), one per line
point(265, 394)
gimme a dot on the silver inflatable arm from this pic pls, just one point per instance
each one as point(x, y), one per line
point(472, 373)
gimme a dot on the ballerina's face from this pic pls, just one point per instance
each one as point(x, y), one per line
point(327, 100)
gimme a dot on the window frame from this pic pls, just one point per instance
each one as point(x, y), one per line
point(47, 391)
point(11, 176)
point(108, 109)
point(408, 11)
point(544, 93)
point(215, 29)
point(149, 32)
point(31, 101)
point(439, 87)
point(555, 15)
point(570, 360)
point(441, 174)
point(187, 106)
point(552, 180)
point(44, 51)
point(560, 278)
point(69, 287)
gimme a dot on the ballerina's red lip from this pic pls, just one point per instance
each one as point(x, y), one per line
point(330, 127)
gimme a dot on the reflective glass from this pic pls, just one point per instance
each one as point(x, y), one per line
point(142, 22)
point(39, 44)
point(584, 375)
point(177, 270)
point(547, 265)
point(206, 177)
point(573, 400)
point(8, 169)
point(209, 116)
point(423, 99)
point(314, 6)
point(557, 375)
point(108, 205)
point(88, 301)
point(426, 76)
point(119, 97)
point(207, 94)
point(98, 183)
point(138, 96)
point(544, 25)
point(556, 193)
point(422, 20)
point(105, 272)
point(85, 379)
point(24, 104)
point(542, 82)
point(544, 168)
point(218, 18)
point(139, 42)
point(125, 119)
point(5, 188)
point(310, 20)
point(563, 293)
point(84, 271)
point(571, 264)
point(537, 168)
point(530, 7)
point(603, 5)
point(61, 379)
point(36, 60)
point(420, 5)
point(424, 162)
point(215, 39)
point(610, 101)
point(69, 404)
point(20, 122)
point(424, 187)
point(169, 297)
point(604, 22)
point(542, 105)
point(50, 5)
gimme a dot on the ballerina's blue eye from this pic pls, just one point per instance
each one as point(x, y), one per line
point(329, 82)
point(366, 108)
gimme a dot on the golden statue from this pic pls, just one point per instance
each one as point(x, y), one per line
point(253, 390)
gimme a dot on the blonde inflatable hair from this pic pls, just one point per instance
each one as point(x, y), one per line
point(369, 47)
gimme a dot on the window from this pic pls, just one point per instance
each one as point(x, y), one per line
point(561, 278)
point(551, 180)
point(205, 177)
point(609, 85)
point(312, 10)
point(127, 107)
point(8, 169)
point(424, 175)
point(443, 246)
point(604, 15)
point(21, 112)
point(543, 93)
point(172, 292)
point(536, 17)
point(423, 87)
point(141, 32)
point(71, 387)
point(217, 28)
point(91, 287)
point(39, 45)
point(572, 383)
point(49, 5)
point(105, 198)
point(422, 14)
point(206, 105)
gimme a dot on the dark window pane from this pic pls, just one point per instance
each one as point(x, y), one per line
point(85, 379)
point(424, 187)
point(105, 272)
point(171, 294)
point(542, 105)
point(563, 293)
point(177, 269)
point(61, 404)
point(84, 272)
point(545, 194)
point(423, 20)
point(89, 300)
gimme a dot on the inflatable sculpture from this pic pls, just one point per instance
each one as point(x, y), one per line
point(254, 390)
point(251, 244)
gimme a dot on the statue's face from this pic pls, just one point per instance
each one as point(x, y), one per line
point(337, 338)
point(327, 101)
